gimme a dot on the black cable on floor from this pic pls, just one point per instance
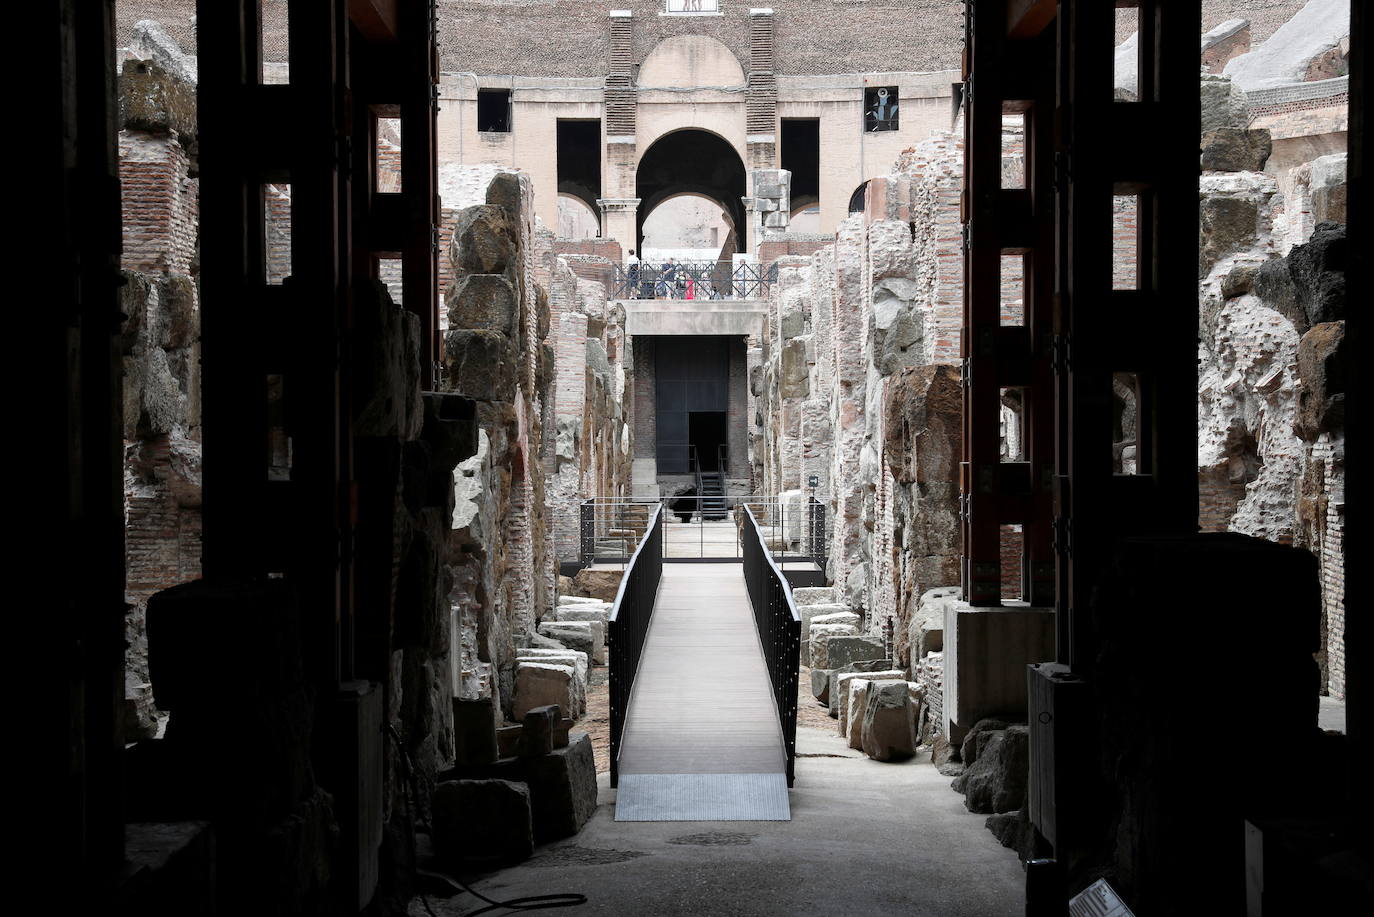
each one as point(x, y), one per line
point(528, 903)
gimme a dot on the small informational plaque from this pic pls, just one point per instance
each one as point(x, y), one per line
point(1098, 900)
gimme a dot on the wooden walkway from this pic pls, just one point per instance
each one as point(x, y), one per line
point(702, 702)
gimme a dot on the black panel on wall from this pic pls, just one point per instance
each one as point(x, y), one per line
point(692, 377)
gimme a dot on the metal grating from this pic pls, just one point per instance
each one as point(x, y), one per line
point(702, 797)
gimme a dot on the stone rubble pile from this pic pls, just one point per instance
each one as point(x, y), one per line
point(511, 787)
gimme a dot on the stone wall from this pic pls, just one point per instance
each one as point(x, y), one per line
point(160, 346)
point(1271, 430)
point(856, 386)
point(543, 355)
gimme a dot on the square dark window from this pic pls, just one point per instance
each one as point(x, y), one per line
point(880, 108)
point(493, 111)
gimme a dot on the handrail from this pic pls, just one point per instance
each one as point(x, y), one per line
point(628, 626)
point(779, 627)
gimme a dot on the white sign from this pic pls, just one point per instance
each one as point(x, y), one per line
point(694, 6)
point(1098, 900)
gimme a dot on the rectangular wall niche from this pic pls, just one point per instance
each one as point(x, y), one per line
point(881, 108)
point(494, 111)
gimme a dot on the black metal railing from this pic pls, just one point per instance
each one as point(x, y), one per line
point(693, 280)
point(779, 626)
point(628, 626)
point(816, 542)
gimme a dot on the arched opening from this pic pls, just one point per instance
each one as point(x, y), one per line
point(576, 218)
point(695, 162)
point(858, 201)
point(691, 226)
point(806, 214)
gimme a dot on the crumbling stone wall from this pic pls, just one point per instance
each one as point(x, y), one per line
point(1271, 421)
point(160, 345)
point(544, 356)
point(856, 386)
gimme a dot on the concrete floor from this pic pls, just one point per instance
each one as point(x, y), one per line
point(865, 838)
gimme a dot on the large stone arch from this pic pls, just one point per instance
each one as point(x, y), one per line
point(691, 161)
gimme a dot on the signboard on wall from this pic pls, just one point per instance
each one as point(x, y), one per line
point(693, 6)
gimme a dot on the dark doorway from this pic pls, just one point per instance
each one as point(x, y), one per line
point(706, 432)
point(801, 155)
point(579, 160)
point(693, 376)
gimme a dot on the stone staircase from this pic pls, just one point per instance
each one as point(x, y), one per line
point(711, 491)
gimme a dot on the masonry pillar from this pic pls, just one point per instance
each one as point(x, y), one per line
point(620, 207)
point(620, 221)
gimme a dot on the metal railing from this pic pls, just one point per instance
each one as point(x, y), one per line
point(628, 626)
point(779, 626)
point(693, 280)
point(610, 529)
point(702, 528)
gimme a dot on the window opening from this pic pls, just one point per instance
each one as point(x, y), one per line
point(1014, 150)
point(387, 162)
point(1126, 424)
point(801, 155)
point(1125, 242)
point(389, 273)
point(274, 43)
point(1013, 423)
point(1013, 540)
point(1126, 63)
point(858, 201)
point(494, 111)
point(1013, 271)
point(276, 233)
point(278, 442)
point(881, 108)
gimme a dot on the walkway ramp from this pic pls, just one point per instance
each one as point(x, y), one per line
point(702, 740)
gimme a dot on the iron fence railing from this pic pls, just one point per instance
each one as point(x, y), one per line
point(693, 280)
point(628, 626)
point(779, 627)
point(611, 529)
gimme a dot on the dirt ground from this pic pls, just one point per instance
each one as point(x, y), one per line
point(596, 722)
point(811, 712)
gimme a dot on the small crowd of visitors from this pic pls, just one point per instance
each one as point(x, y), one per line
point(681, 280)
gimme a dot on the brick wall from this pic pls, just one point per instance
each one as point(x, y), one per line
point(160, 207)
point(773, 249)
